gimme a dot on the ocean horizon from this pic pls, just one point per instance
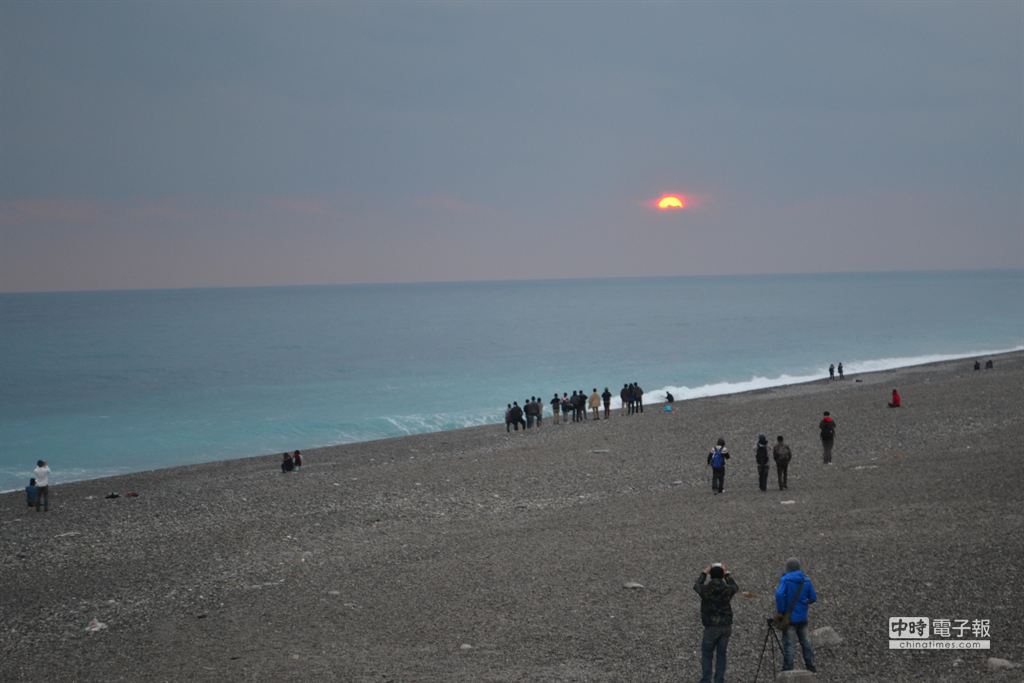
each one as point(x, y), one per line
point(110, 382)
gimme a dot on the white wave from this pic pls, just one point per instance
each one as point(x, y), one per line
point(851, 368)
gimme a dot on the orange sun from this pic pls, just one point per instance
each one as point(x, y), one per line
point(671, 201)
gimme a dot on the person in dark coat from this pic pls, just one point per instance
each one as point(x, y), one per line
point(831, 371)
point(782, 456)
point(827, 427)
point(517, 416)
point(761, 455)
point(606, 396)
point(556, 406)
point(624, 397)
point(638, 396)
point(716, 616)
point(287, 464)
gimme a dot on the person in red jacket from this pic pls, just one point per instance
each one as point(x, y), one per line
point(827, 426)
point(895, 402)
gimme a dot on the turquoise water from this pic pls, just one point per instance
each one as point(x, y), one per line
point(108, 382)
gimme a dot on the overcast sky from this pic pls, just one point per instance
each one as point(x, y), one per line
point(207, 144)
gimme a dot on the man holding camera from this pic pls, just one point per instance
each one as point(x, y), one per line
point(716, 615)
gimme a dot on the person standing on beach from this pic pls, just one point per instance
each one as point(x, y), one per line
point(840, 368)
point(624, 397)
point(595, 404)
point(782, 456)
point(42, 477)
point(556, 405)
point(831, 371)
point(31, 493)
point(566, 404)
point(517, 416)
point(716, 616)
point(606, 396)
point(793, 596)
point(638, 396)
point(508, 417)
point(761, 455)
point(716, 460)
point(827, 427)
point(286, 463)
point(539, 413)
point(297, 460)
point(896, 401)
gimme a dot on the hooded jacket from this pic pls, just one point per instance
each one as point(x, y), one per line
point(715, 596)
point(788, 585)
point(828, 428)
point(761, 451)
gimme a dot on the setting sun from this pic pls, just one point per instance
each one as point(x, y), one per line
point(671, 201)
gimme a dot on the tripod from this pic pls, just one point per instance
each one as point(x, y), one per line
point(769, 636)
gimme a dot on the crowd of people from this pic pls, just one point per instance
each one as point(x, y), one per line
point(572, 408)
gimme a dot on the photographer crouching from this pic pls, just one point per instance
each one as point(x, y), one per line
point(716, 615)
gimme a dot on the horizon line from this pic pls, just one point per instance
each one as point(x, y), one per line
point(400, 283)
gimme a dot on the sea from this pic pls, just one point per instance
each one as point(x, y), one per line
point(111, 382)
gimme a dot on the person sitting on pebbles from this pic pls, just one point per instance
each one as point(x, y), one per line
point(287, 464)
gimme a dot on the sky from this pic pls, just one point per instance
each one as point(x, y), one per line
point(169, 144)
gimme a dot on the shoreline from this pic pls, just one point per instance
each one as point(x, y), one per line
point(798, 381)
point(473, 555)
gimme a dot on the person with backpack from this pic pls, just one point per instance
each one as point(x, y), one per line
point(607, 398)
point(827, 427)
point(716, 616)
point(793, 596)
point(761, 456)
point(716, 460)
point(782, 456)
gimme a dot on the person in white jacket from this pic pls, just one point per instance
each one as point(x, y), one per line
point(42, 475)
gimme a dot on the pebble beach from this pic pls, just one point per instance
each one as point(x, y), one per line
point(565, 553)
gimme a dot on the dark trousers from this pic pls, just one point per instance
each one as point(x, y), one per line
point(716, 640)
point(762, 476)
point(782, 469)
point(717, 479)
point(789, 647)
point(826, 449)
point(640, 405)
point(508, 425)
point(607, 410)
point(529, 420)
point(43, 499)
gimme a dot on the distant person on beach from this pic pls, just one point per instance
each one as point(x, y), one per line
point(31, 493)
point(977, 365)
point(624, 397)
point(530, 411)
point(287, 465)
point(556, 405)
point(840, 368)
point(716, 460)
point(989, 365)
point(782, 456)
point(566, 405)
point(573, 403)
point(669, 398)
point(606, 396)
point(297, 460)
point(638, 396)
point(793, 596)
point(580, 406)
point(508, 417)
point(595, 404)
point(42, 477)
point(539, 414)
point(831, 371)
point(827, 427)
point(517, 416)
point(761, 456)
point(716, 616)
point(895, 402)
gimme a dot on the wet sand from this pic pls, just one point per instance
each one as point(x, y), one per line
point(477, 555)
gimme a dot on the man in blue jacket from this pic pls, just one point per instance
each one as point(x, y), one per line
point(794, 594)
